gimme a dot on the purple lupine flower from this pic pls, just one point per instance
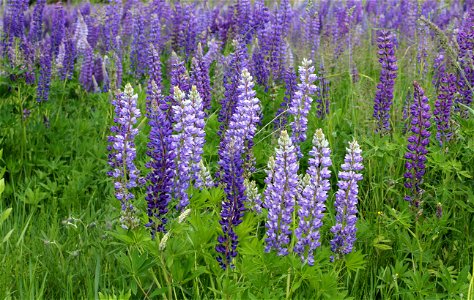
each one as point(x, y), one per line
point(280, 196)
point(247, 96)
point(198, 136)
point(258, 66)
point(312, 199)
point(422, 49)
point(439, 66)
point(154, 37)
point(273, 46)
point(178, 38)
point(44, 81)
point(85, 78)
point(154, 74)
point(122, 154)
point(111, 27)
point(232, 211)
point(139, 46)
point(237, 62)
point(161, 164)
point(260, 15)
point(28, 53)
point(118, 55)
point(178, 74)
point(59, 63)
point(182, 143)
point(188, 140)
point(212, 52)
point(97, 70)
point(200, 77)
point(93, 28)
point(465, 40)
point(384, 95)
point(301, 103)
point(58, 29)
point(417, 143)
point(244, 20)
point(291, 85)
point(36, 26)
point(80, 35)
point(13, 19)
point(443, 107)
point(233, 148)
point(313, 31)
point(344, 230)
point(285, 14)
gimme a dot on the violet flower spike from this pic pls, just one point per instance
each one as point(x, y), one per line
point(234, 145)
point(344, 230)
point(443, 108)
point(312, 200)
point(44, 82)
point(280, 196)
point(161, 164)
point(301, 103)
point(384, 96)
point(417, 143)
point(122, 155)
point(184, 127)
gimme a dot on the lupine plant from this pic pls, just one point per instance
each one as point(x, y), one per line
point(219, 91)
point(312, 200)
point(242, 128)
point(280, 196)
point(388, 74)
point(301, 103)
point(344, 231)
point(417, 146)
point(122, 155)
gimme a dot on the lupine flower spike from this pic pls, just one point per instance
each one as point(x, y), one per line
point(242, 128)
point(301, 103)
point(344, 230)
point(384, 95)
point(280, 196)
point(312, 199)
point(122, 155)
point(417, 143)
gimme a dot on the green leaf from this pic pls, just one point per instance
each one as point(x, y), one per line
point(122, 236)
point(7, 236)
point(355, 261)
point(158, 292)
point(380, 242)
point(2, 186)
point(5, 215)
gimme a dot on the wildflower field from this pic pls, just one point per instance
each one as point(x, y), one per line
point(237, 149)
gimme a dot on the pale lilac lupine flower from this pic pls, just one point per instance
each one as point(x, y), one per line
point(346, 201)
point(184, 118)
point(301, 103)
point(280, 196)
point(122, 155)
point(312, 199)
